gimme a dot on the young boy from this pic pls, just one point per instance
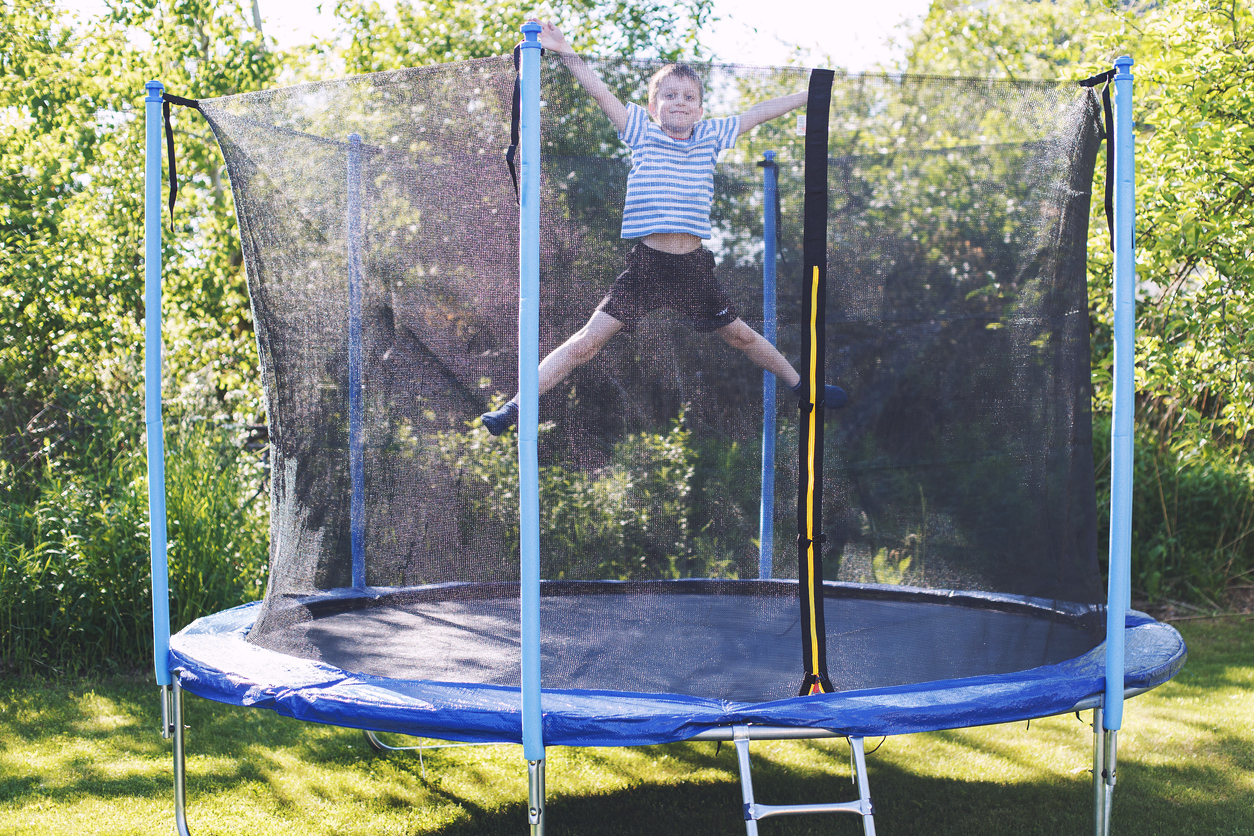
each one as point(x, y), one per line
point(669, 191)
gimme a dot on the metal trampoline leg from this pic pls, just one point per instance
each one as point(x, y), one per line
point(1112, 744)
point(1105, 748)
point(864, 786)
point(535, 797)
point(1099, 777)
point(741, 739)
point(180, 764)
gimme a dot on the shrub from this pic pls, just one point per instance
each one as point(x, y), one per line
point(1192, 517)
point(74, 565)
point(663, 507)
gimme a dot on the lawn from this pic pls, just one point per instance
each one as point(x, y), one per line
point(86, 757)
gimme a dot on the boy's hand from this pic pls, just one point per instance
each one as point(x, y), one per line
point(551, 38)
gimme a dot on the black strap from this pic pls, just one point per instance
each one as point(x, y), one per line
point(511, 153)
point(515, 110)
point(1108, 132)
point(810, 436)
point(168, 100)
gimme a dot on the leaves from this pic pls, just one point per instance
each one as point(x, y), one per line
point(1194, 111)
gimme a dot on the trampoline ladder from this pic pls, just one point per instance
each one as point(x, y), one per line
point(754, 811)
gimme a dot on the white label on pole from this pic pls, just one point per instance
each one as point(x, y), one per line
point(801, 124)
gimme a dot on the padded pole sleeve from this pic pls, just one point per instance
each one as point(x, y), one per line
point(528, 390)
point(1120, 581)
point(813, 376)
point(154, 430)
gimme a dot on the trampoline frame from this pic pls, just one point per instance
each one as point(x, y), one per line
point(1107, 707)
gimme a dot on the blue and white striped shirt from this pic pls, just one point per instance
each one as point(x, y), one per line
point(671, 183)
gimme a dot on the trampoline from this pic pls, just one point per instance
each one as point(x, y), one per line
point(608, 575)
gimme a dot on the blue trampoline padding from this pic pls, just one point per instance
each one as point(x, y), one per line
point(213, 660)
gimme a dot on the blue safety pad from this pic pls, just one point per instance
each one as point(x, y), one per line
point(213, 660)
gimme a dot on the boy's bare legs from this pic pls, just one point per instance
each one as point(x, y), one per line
point(581, 347)
point(758, 349)
point(588, 341)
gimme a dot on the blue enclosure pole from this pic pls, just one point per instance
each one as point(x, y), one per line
point(528, 409)
point(1120, 589)
point(1124, 392)
point(157, 535)
point(766, 511)
point(356, 431)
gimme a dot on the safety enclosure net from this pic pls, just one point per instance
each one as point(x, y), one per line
point(380, 234)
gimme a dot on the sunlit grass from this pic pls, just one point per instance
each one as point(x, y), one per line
point(86, 757)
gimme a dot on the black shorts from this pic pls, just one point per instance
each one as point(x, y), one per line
point(681, 283)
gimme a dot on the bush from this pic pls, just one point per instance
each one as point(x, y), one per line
point(74, 565)
point(663, 507)
point(1192, 517)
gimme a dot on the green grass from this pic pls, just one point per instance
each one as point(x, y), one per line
point(86, 757)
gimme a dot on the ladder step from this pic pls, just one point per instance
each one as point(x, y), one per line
point(758, 812)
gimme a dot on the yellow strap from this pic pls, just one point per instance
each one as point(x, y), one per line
point(814, 359)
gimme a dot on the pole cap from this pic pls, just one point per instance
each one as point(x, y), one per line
point(531, 35)
point(1123, 66)
point(155, 89)
point(769, 155)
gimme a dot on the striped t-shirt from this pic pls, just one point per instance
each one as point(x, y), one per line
point(671, 183)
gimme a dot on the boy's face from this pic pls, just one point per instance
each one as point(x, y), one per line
point(677, 106)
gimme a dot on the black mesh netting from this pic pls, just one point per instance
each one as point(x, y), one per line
point(957, 321)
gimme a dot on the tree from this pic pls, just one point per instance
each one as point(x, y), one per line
point(1193, 517)
point(1040, 39)
point(72, 495)
point(435, 31)
point(1194, 108)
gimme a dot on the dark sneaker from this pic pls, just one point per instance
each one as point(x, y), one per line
point(833, 396)
point(499, 420)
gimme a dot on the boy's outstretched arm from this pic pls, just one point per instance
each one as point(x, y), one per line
point(770, 109)
point(551, 38)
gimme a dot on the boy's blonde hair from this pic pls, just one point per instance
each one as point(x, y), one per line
point(679, 71)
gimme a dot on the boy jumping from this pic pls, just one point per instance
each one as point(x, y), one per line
point(669, 191)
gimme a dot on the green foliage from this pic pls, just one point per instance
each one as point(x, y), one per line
point(1195, 215)
point(71, 292)
point(71, 226)
point(218, 522)
point(72, 533)
point(1192, 518)
point(1017, 40)
point(74, 546)
point(1194, 107)
point(658, 509)
point(1195, 227)
point(436, 31)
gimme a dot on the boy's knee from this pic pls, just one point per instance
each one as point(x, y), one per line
point(737, 338)
point(583, 348)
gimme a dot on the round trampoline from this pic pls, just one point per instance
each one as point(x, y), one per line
point(607, 575)
point(443, 661)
